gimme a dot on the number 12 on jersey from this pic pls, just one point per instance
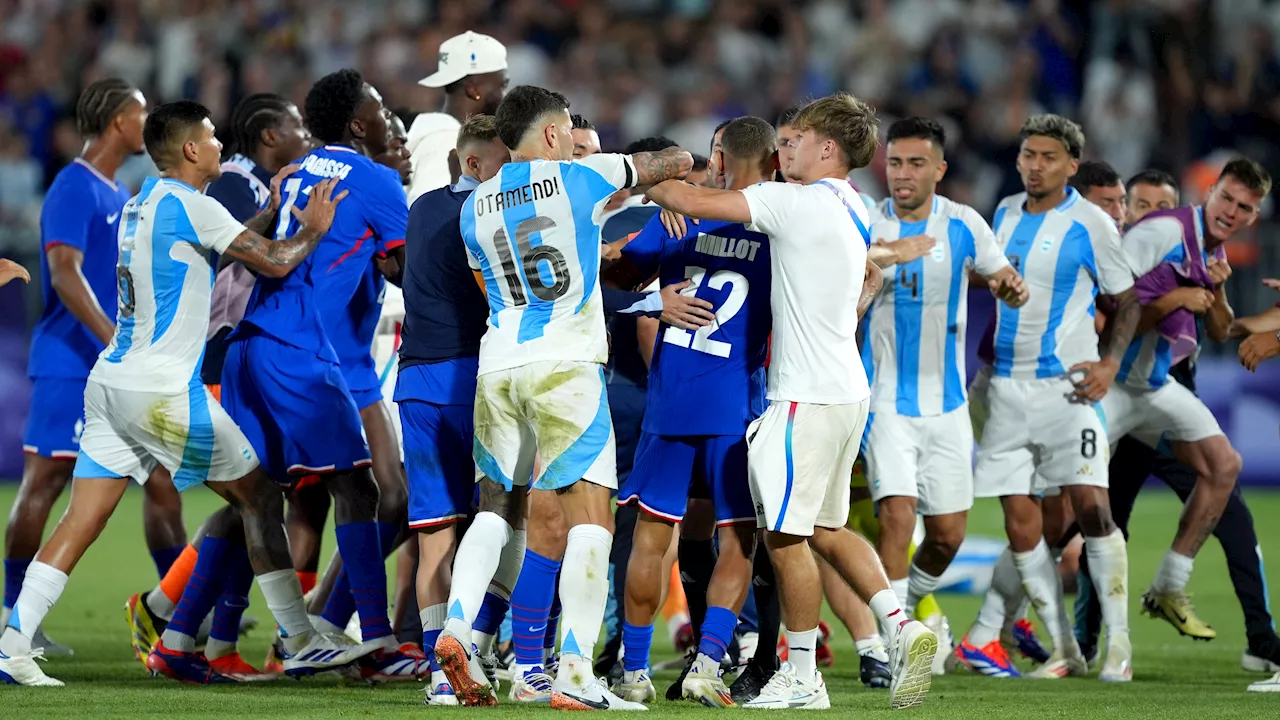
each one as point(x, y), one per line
point(700, 339)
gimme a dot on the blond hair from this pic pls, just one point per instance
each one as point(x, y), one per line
point(850, 122)
point(479, 128)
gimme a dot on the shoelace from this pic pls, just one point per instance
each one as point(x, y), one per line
point(37, 654)
point(778, 683)
point(539, 681)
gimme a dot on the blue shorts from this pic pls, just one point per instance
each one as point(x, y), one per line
point(56, 419)
point(438, 443)
point(667, 465)
point(362, 381)
point(294, 408)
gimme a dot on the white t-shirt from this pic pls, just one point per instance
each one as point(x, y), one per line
point(818, 254)
point(533, 231)
point(431, 138)
point(165, 287)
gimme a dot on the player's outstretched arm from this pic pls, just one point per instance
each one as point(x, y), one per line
point(1008, 287)
point(872, 281)
point(699, 202)
point(655, 167)
point(885, 254)
point(1098, 376)
point(278, 258)
point(1218, 320)
point(9, 270)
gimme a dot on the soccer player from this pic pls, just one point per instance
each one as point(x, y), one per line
point(920, 443)
point(1167, 250)
point(282, 380)
point(802, 450)
point(1101, 185)
point(1150, 190)
point(1045, 429)
point(720, 372)
point(541, 389)
point(472, 70)
point(78, 224)
point(435, 392)
point(586, 141)
point(145, 405)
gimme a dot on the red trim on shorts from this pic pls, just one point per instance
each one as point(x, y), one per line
point(436, 522)
point(733, 522)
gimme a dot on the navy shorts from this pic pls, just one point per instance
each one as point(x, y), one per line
point(56, 419)
point(667, 465)
point(438, 441)
point(293, 407)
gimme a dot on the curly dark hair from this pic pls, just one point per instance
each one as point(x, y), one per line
point(331, 104)
point(99, 104)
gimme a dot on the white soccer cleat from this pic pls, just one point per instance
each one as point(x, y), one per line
point(321, 654)
point(704, 684)
point(353, 629)
point(50, 646)
point(911, 662)
point(1119, 665)
point(594, 695)
point(440, 692)
point(785, 691)
point(1062, 663)
point(23, 670)
point(531, 685)
point(1270, 685)
point(946, 643)
point(466, 675)
point(1253, 663)
point(636, 686)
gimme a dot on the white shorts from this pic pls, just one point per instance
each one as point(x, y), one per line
point(555, 410)
point(386, 361)
point(1035, 438)
point(800, 462)
point(1172, 412)
point(978, 390)
point(127, 433)
point(928, 458)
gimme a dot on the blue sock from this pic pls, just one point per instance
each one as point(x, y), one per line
point(636, 641)
point(15, 571)
point(553, 621)
point(362, 563)
point(717, 631)
point(235, 596)
point(165, 557)
point(429, 638)
point(492, 612)
point(341, 604)
point(530, 602)
point(203, 588)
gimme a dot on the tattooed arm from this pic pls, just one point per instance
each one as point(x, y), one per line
point(276, 259)
point(1098, 376)
point(654, 167)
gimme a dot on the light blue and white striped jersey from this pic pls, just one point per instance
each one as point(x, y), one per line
point(533, 231)
point(915, 346)
point(1067, 256)
point(165, 285)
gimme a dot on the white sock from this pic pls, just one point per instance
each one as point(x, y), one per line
point(801, 650)
point(283, 594)
point(889, 612)
point(920, 585)
point(584, 591)
point(1172, 576)
point(1109, 570)
point(174, 640)
point(41, 588)
point(477, 560)
point(215, 648)
point(326, 627)
point(872, 646)
point(1041, 582)
point(901, 589)
point(432, 618)
point(484, 642)
point(160, 604)
point(998, 602)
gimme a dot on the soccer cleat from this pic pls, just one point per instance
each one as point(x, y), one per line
point(1254, 661)
point(321, 654)
point(751, 681)
point(822, 655)
point(23, 670)
point(1062, 663)
point(874, 672)
point(592, 696)
point(144, 626)
point(684, 638)
point(489, 663)
point(530, 686)
point(748, 642)
point(676, 689)
point(187, 667)
point(353, 630)
point(247, 624)
point(1271, 684)
point(1175, 608)
point(991, 660)
point(785, 691)
point(275, 658)
point(49, 645)
point(1021, 636)
point(911, 662)
point(440, 692)
point(466, 676)
point(1119, 665)
point(234, 667)
point(406, 662)
point(938, 624)
point(636, 686)
point(704, 684)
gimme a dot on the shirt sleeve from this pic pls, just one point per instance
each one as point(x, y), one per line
point(619, 171)
point(772, 204)
point(386, 209)
point(645, 249)
point(1114, 273)
point(214, 226)
point(234, 193)
point(66, 217)
point(1147, 244)
point(987, 256)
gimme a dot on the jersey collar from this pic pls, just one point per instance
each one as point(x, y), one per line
point(97, 173)
point(340, 148)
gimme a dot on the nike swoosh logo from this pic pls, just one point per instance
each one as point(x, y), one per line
point(1180, 618)
point(540, 628)
point(112, 218)
point(589, 702)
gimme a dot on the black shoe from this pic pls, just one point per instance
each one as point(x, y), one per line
point(752, 680)
point(676, 691)
point(875, 674)
point(608, 656)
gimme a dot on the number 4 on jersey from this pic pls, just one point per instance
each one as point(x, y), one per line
point(700, 339)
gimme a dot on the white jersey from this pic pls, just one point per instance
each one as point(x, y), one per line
point(914, 352)
point(1067, 255)
point(432, 136)
point(818, 241)
point(533, 231)
point(165, 285)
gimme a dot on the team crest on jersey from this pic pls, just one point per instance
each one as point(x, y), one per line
point(939, 254)
point(1048, 243)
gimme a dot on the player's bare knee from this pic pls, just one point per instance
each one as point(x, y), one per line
point(897, 517)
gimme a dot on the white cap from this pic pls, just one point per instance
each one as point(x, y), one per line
point(467, 54)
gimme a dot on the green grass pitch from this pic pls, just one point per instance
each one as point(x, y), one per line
point(1173, 678)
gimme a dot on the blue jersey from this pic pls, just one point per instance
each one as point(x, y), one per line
point(352, 328)
point(299, 308)
point(914, 352)
point(81, 210)
point(711, 381)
